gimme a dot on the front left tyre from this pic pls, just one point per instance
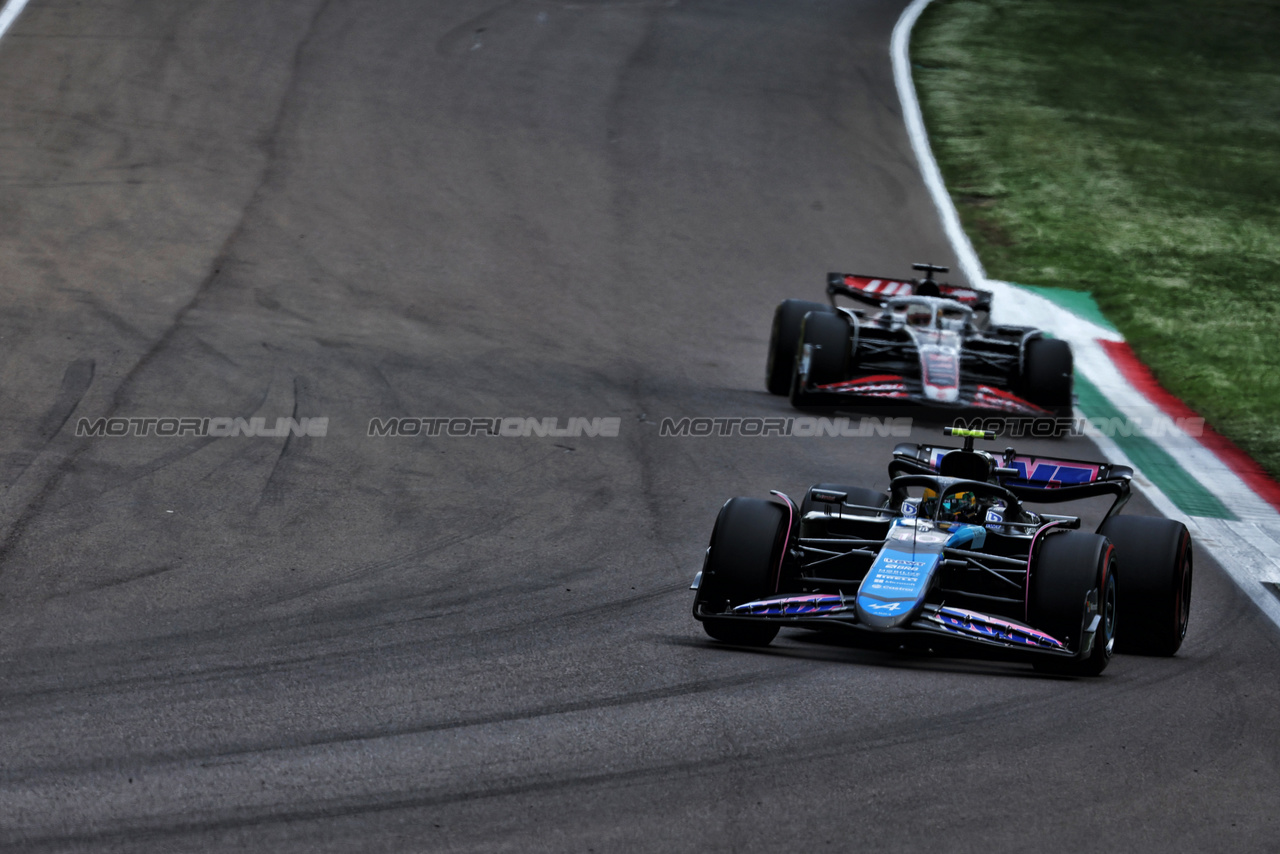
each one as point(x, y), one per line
point(1048, 371)
point(1074, 580)
point(742, 564)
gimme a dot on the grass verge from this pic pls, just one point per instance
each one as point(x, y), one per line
point(1130, 149)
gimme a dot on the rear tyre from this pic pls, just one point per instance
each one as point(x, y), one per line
point(742, 565)
point(1047, 372)
point(856, 495)
point(784, 341)
point(1073, 579)
point(1154, 582)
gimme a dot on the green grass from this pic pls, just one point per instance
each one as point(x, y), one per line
point(1130, 148)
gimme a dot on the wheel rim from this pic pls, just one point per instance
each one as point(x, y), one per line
point(773, 348)
point(1184, 595)
point(1109, 614)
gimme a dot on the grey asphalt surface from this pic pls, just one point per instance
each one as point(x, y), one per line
point(353, 210)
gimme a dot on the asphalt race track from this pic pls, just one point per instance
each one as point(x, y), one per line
point(398, 208)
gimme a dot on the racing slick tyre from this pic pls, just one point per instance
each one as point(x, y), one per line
point(1153, 582)
point(784, 341)
point(746, 549)
point(860, 495)
point(828, 334)
point(1047, 371)
point(1073, 579)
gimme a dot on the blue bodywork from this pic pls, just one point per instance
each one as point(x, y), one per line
point(893, 590)
point(892, 593)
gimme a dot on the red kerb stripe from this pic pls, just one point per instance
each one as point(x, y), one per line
point(1223, 448)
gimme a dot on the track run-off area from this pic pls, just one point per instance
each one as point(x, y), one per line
point(311, 640)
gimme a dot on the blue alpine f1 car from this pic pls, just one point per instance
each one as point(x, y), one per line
point(952, 555)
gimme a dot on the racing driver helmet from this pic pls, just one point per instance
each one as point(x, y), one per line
point(956, 507)
point(919, 315)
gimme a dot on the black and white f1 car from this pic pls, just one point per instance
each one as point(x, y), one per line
point(951, 556)
point(915, 342)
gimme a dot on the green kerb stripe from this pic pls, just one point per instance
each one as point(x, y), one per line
point(1155, 462)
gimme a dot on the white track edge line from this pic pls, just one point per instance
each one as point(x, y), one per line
point(10, 13)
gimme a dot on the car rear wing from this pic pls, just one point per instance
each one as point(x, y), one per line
point(876, 290)
point(1027, 469)
point(1038, 479)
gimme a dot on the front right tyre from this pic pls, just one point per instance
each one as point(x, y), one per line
point(829, 340)
point(784, 340)
point(742, 564)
